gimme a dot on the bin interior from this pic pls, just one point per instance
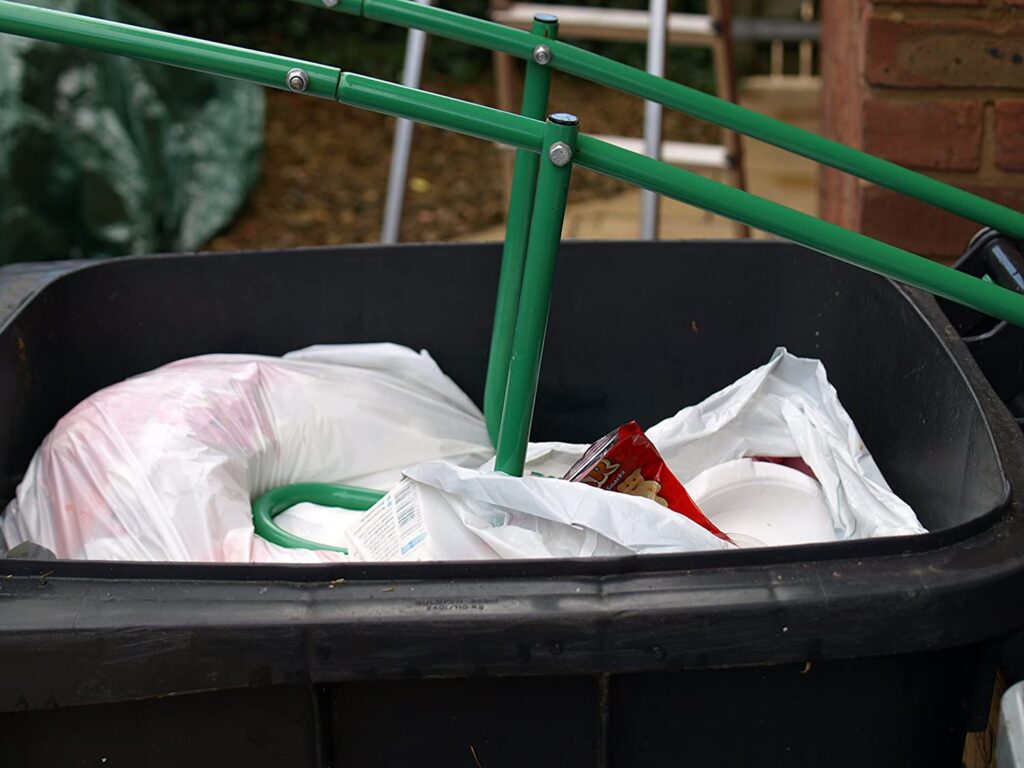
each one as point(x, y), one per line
point(637, 331)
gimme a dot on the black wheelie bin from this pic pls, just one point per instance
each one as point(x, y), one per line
point(860, 653)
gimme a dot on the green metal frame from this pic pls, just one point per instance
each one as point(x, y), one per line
point(591, 66)
point(526, 133)
point(540, 183)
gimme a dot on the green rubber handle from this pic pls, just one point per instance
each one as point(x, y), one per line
point(274, 502)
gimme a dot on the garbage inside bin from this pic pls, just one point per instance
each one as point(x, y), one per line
point(164, 466)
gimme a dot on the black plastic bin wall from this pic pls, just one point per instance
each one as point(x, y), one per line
point(870, 653)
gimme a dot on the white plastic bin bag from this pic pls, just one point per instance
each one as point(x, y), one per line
point(164, 466)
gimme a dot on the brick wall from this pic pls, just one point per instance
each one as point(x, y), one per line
point(935, 85)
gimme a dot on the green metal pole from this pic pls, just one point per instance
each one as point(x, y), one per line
point(536, 87)
point(556, 159)
point(694, 189)
point(590, 66)
point(441, 111)
point(165, 48)
point(822, 236)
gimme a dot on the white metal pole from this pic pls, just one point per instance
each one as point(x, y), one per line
point(412, 70)
point(656, 32)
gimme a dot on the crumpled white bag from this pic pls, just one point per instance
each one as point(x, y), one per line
point(786, 407)
point(163, 466)
point(546, 517)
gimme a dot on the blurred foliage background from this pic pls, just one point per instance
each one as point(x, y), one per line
point(459, 187)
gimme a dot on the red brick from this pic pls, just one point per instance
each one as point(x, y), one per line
point(944, 52)
point(924, 229)
point(1010, 134)
point(941, 134)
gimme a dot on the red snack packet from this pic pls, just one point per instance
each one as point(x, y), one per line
point(625, 461)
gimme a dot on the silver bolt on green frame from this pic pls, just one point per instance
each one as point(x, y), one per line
point(536, 88)
point(556, 161)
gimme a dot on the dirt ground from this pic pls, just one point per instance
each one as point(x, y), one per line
point(326, 166)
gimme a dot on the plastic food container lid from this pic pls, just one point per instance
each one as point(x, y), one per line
point(762, 504)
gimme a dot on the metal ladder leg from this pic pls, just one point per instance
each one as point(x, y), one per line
point(412, 71)
point(650, 202)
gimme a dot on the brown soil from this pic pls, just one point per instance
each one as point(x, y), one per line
point(326, 165)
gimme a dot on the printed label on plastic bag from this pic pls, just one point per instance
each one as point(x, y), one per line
point(392, 529)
